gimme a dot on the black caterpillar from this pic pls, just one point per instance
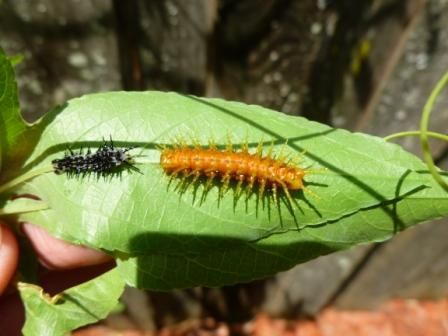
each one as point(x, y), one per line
point(107, 160)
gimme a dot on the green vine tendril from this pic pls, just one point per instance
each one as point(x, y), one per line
point(434, 135)
point(424, 134)
point(441, 84)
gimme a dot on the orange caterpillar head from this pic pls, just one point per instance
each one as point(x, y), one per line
point(294, 178)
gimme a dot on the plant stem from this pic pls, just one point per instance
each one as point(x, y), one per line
point(25, 177)
point(36, 207)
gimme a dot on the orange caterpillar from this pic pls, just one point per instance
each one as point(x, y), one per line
point(238, 165)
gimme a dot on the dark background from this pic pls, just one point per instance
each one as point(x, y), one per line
point(362, 65)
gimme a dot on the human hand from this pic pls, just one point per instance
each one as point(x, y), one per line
point(65, 265)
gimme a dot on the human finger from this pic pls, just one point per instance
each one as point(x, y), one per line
point(55, 253)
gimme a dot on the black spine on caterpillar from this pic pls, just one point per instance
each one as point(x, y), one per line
point(105, 161)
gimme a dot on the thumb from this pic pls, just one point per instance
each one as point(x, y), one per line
point(9, 252)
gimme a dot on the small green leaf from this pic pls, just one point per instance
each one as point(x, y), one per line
point(73, 308)
point(17, 138)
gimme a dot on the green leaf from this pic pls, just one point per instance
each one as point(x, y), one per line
point(142, 213)
point(17, 138)
point(73, 308)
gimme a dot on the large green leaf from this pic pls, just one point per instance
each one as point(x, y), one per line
point(75, 307)
point(168, 238)
point(141, 213)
